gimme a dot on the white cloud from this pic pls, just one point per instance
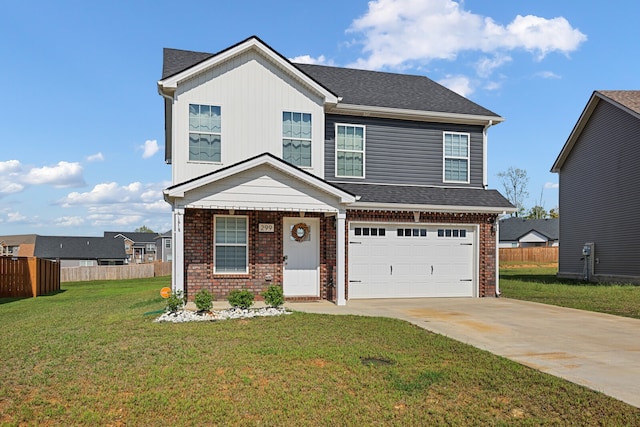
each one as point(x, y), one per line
point(398, 32)
point(98, 157)
point(308, 59)
point(9, 177)
point(64, 174)
point(459, 84)
point(486, 65)
point(548, 75)
point(69, 221)
point(149, 148)
point(15, 217)
point(551, 185)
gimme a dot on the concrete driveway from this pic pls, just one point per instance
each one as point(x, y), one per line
point(596, 350)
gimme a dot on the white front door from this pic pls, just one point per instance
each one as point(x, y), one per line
point(301, 250)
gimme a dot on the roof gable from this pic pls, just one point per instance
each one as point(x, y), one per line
point(626, 100)
point(513, 229)
point(179, 190)
point(180, 65)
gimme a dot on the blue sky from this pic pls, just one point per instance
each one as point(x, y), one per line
point(81, 123)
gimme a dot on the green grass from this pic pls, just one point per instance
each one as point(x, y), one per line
point(90, 356)
point(540, 284)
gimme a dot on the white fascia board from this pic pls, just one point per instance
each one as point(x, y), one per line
point(173, 81)
point(430, 208)
point(405, 114)
point(180, 190)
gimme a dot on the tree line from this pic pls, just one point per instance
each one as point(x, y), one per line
point(515, 182)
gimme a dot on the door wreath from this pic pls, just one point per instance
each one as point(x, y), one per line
point(300, 231)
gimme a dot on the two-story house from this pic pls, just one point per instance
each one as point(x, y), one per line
point(336, 183)
point(140, 247)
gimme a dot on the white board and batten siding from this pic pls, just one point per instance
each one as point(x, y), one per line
point(385, 263)
point(261, 188)
point(252, 93)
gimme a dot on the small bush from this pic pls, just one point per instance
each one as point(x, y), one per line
point(204, 300)
point(175, 301)
point(274, 296)
point(240, 298)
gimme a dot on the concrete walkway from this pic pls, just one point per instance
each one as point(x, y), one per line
point(596, 350)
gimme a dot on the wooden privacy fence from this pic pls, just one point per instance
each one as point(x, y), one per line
point(115, 272)
point(28, 276)
point(532, 254)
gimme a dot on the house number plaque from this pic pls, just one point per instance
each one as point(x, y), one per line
point(266, 228)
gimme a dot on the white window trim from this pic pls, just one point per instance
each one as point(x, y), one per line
point(189, 132)
point(445, 157)
point(282, 138)
point(364, 145)
point(246, 245)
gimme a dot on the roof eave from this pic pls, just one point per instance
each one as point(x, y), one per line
point(431, 208)
point(407, 114)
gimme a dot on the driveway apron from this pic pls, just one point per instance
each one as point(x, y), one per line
point(596, 350)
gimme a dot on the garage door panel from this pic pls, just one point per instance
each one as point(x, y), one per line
point(415, 262)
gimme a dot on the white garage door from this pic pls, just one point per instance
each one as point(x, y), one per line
point(416, 260)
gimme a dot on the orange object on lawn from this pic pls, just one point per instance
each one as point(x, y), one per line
point(165, 292)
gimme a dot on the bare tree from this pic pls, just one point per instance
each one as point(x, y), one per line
point(515, 182)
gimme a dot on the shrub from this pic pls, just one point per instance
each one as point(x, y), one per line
point(175, 301)
point(274, 296)
point(204, 300)
point(240, 298)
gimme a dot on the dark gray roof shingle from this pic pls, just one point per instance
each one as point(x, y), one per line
point(415, 195)
point(380, 89)
point(358, 87)
point(512, 229)
point(66, 247)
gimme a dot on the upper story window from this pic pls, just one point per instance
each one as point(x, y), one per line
point(456, 157)
point(350, 151)
point(204, 133)
point(296, 138)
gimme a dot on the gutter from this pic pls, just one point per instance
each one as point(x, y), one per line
point(485, 182)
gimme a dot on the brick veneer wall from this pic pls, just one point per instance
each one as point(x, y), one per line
point(266, 250)
point(487, 237)
point(265, 254)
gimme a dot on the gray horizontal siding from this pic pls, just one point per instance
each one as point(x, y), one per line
point(403, 152)
point(600, 195)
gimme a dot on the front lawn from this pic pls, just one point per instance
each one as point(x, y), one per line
point(540, 284)
point(90, 356)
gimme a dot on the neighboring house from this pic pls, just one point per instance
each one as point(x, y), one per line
point(140, 247)
point(163, 247)
point(524, 233)
point(335, 183)
point(600, 190)
point(17, 245)
point(80, 251)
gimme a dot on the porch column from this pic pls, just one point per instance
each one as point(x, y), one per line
point(177, 276)
point(340, 258)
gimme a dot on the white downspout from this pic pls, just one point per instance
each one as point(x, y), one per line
point(485, 182)
point(497, 223)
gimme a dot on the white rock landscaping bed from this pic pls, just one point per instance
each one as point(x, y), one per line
point(182, 316)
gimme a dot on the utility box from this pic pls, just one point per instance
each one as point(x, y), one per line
point(588, 256)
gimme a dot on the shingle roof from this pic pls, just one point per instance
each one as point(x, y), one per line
point(65, 247)
point(434, 196)
point(512, 229)
point(627, 98)
point(136, 237)
point(358, 87)
point(379, 89)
